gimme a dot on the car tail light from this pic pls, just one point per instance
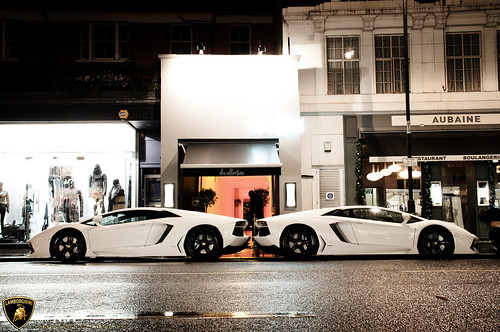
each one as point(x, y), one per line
point(239, 227)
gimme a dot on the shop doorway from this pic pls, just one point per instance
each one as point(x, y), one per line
point(233, 194)
point(458, 184)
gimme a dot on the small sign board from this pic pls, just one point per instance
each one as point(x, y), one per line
point(123, 114)
point(410, 162)
point(330, 196)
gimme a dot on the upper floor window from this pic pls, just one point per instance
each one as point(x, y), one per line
point(389, 64)
point(343, 65)
point(180, 39)
point(104, 41)
point(239, 39)
point(7, 40)
point(463, 62)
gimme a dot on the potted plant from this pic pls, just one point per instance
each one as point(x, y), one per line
point(207, 197)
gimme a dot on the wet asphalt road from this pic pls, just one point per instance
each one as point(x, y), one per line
point(338, 294)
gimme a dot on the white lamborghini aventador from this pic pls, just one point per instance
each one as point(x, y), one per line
point(142, 232)
point(360, 230)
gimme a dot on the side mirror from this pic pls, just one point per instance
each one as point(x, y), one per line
point(406, 217)
point(97, 220)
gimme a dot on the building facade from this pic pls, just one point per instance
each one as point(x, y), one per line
point(80, 87)
point(352, 101)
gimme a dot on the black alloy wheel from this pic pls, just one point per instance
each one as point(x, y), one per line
point(436, 242)
point(68, 246)
point(299, 242)
point(203, 244)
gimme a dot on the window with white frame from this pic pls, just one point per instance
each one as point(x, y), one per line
point(239, 39)
point(7, 40)
point(104, 41)
point(180, 39)
point(343, 65)
point(463, 62)
point(389, 64)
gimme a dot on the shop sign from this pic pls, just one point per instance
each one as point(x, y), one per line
point(447, 119)
point(473, 157)
point(231, 172)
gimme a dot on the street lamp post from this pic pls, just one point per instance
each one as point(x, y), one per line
point(411, 202)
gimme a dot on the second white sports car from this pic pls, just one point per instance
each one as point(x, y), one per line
point(142, 232)
point(360, 230)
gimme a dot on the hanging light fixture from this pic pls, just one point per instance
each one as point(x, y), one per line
point(414, 174)
point(374, 176)
point(394, 168)
point(385, 171)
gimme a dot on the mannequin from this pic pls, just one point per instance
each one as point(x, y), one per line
point(116, 197)
point(97, 185)
point(73, 208)
point(27, 213)
point(4, 206)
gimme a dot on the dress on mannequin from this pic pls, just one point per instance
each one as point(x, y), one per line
point(97, 185)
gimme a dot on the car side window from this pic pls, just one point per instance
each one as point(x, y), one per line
point(122, 218)
point(361, 214)
point(134, 216)
point(378, 215)
point(389, 216)
point(338, 213)
point(160, 214)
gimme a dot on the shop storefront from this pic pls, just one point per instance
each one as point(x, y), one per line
point(457, 173)
point(62, 172)
point(239, 171)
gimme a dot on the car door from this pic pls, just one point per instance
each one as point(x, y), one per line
point(123, 229)
point(382, 228)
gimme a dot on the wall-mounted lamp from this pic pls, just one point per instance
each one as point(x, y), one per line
point(261, 49)
point(169, 189)
point(200, 48)
point(290, 194)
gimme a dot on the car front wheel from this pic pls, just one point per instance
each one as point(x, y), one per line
point(436, 242)
point(68, 246)
point(203, 243)
point(299, 242)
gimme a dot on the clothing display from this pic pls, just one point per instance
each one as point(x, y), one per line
point(97, 189)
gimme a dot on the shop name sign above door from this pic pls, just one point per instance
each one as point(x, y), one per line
point(231, 172)
point(447, 119)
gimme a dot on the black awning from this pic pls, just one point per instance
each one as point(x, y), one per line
point(231, 158)
point(434, 146)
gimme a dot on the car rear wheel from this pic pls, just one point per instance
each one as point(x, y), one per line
point(299, 242)
point(203, 243)
point(68, 246)
point(436, 242)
